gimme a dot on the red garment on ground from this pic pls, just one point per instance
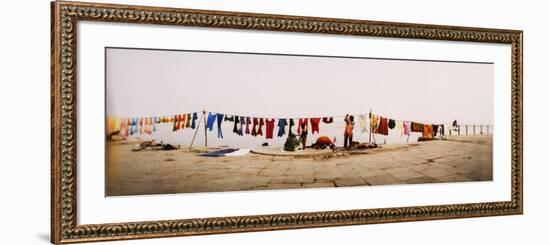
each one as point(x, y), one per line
point(383, 126)
point(324, 140)
point(314, 124)
point(269, 125)
point(300, 122)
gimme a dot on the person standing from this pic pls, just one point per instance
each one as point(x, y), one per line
point(348, 131)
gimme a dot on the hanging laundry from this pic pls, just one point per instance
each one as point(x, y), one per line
point(124, 127)
point(383, 126)
point(259, 132)
point(220, 119)
point(248, 121)
point(254, 126)
point(155, 121)
point(406, 128)
point(363, 123)
point(442, 129)
point(373, 122)
point(281, 124)
point(147, 128)
point(290, 125)
point(141, 126)
point(428, 131)
point(182, 118)
point(195, 117)
point(210, 121)
point(188, 120)
point(435, 129)
point(269, 125)
point(391, 124)
point(302, 121)
point(242, 120)
point(417, 127)
point(113, 125)
point(314, 124)
point(176, 124)
point(236, 125)
point(328, 120)
point(134, 126)
point(399, 127)
point(229, 118)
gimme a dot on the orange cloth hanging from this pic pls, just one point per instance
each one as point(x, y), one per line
point(148, 126)
point(428, 131)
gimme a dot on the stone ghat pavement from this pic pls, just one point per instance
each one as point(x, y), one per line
point(458, 159)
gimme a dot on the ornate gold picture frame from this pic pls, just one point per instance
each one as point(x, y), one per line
point(64, 41)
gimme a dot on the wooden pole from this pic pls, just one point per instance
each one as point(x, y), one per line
point(196, 131)
point(370, 123)
point(466, 129)
point(458, 129)
point(474, 129)
point(481, 128)
point(205, 129)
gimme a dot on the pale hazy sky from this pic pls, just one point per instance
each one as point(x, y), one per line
point(156, 82)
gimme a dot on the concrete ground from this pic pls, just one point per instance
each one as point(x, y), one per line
point(458, 159)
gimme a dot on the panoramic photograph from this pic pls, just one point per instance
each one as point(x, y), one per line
point(189, 121)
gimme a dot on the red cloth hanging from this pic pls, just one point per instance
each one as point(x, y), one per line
point(181, 121)
point(254, 125)
point(269, 125)
point(314, 124)
point(247, 130)
point(301, 122)
point(260, 126)
point(383, 126)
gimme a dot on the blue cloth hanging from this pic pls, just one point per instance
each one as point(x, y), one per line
point(210, 121)
point(281, 124)
point(195, 116)
point(220, 119)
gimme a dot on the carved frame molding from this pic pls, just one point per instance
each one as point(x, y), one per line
point(66, 15)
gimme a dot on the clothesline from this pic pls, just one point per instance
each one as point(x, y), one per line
point(281, 116)
point(371, 123)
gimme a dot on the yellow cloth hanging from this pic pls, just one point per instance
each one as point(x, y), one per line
point(399, 126)
point(113, 125)
point(374, 122)
point(363, 123)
